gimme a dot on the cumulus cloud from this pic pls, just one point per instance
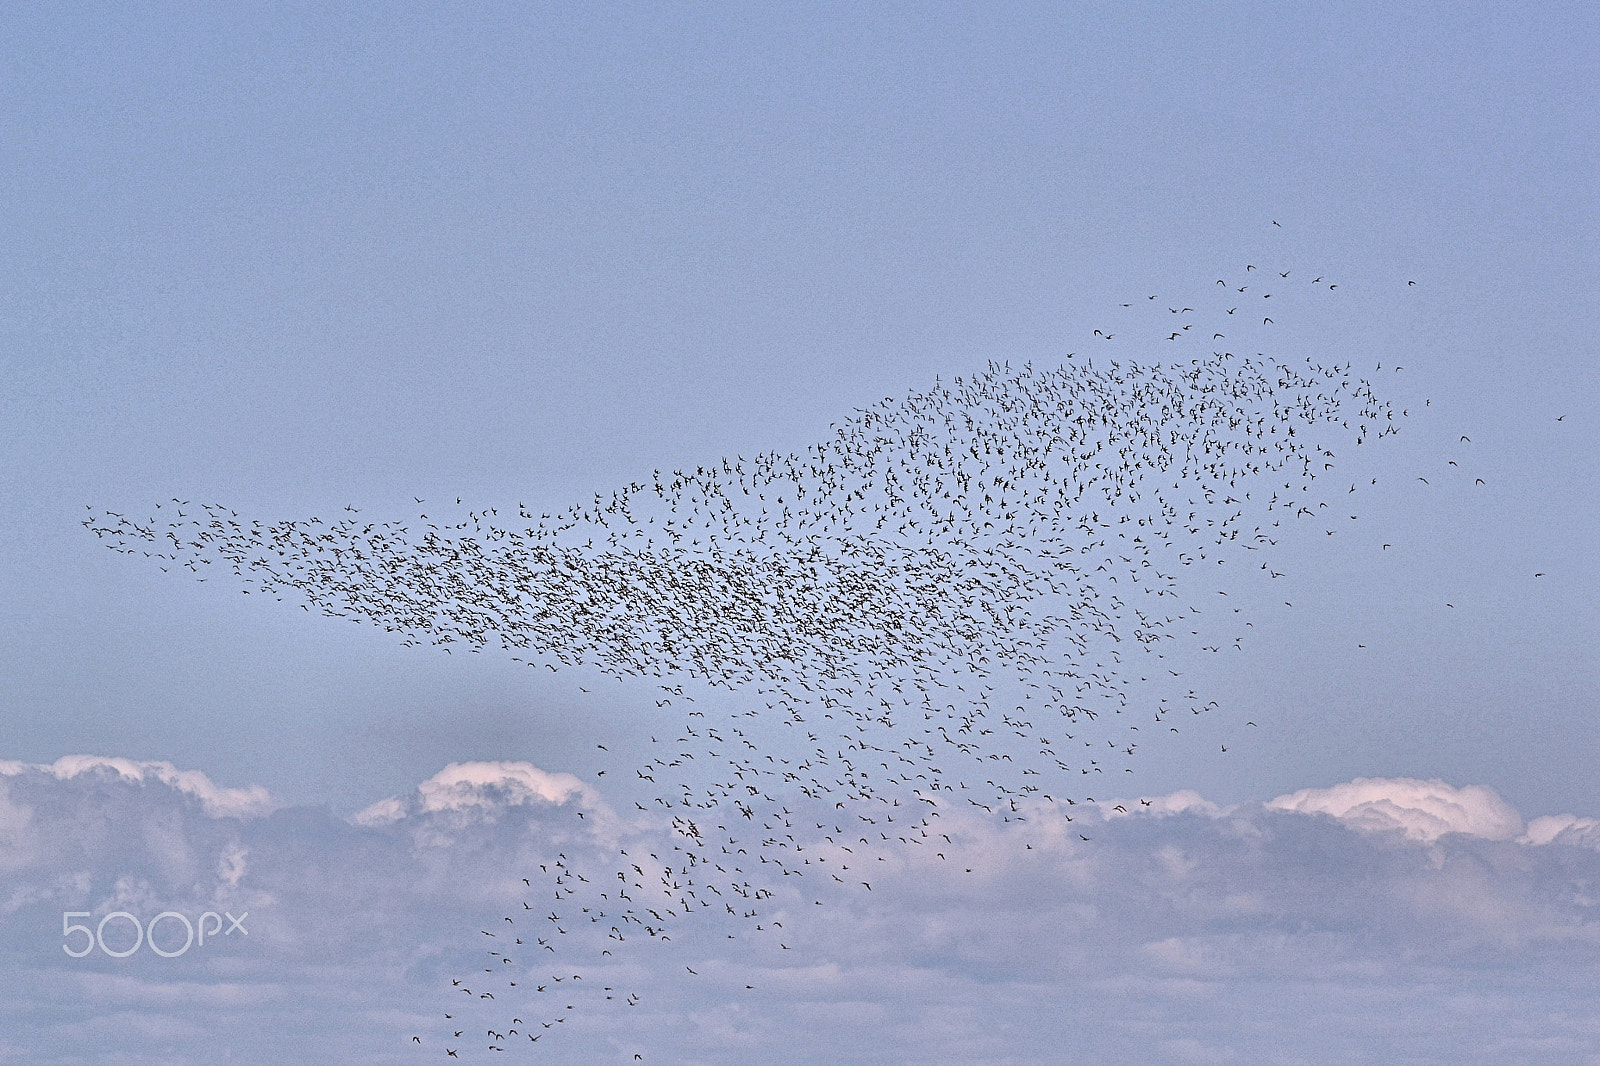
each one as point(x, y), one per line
point(1420, 810)
point(1563, 829)
point(218, 802)
point(1173, 803)
point(1173, 930)
point(482, 787)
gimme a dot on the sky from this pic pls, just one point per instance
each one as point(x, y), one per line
point(302, 258)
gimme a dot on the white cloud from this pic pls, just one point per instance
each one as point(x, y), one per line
point(1563, 829)
point(383, 812)
point(483, 787)
point(1186, 799)
point(219, 802)
point(1421, 810)
point(1178, 931)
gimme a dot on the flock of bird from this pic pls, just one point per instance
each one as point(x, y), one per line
point(948, 604)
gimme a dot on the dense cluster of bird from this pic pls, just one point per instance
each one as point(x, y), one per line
point(937, 606)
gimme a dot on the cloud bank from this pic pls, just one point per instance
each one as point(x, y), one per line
point(1373, 920)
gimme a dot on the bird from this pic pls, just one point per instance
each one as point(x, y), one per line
point(865, 601)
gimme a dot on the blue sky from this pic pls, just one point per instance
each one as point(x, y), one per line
point(294, 259)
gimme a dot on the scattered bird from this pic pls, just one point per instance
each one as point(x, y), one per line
point(920, 614)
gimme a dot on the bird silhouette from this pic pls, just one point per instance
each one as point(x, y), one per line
point(923, 613)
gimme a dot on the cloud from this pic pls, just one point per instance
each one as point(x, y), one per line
point(484, 788)
point(1421, 810)
point(218, 802)
point(1173, 803)
point(1172, 931)
point(1563, 829)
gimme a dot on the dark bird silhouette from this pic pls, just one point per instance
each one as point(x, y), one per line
point(925, 612)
